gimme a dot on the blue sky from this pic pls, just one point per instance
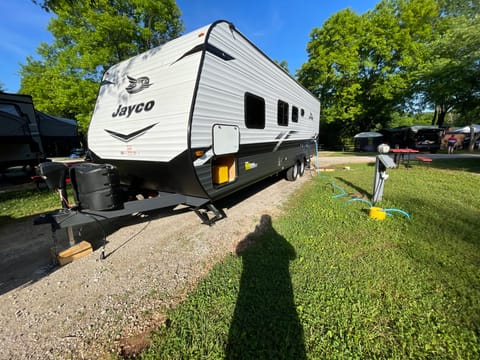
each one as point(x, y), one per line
point(280, 28)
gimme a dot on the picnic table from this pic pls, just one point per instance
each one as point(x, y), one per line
point(399, 155)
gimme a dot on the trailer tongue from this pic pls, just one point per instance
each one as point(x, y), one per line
point(99, 197)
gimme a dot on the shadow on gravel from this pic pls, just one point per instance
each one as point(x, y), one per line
point(26, 250)
point(247, 192)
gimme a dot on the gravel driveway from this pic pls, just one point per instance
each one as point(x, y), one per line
point(91, 307)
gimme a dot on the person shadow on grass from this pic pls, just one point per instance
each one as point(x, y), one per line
point(265, 324)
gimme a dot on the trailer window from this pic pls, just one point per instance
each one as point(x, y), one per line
point(294, 114)
point(254, 111)
point(10, 109)
point(302, 112)
point(282, 113)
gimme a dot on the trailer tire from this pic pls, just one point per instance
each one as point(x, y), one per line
point(301, 167)
point(292, 173)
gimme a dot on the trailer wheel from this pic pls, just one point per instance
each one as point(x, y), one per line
point(292, 173)
point(301, 167)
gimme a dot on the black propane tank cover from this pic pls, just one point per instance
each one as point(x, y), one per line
point(54, 174)
point(97, 186)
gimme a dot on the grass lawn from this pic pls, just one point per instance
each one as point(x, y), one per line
point(346, 153)
point(18, 204)
point(327, 282)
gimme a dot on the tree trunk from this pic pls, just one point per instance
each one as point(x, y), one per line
point(441, 117)
point(440, 114)
point(473, 138)
point(434, 115)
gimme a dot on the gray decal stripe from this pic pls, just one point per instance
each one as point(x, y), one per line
point(220, 53)
point(204, 158)
point(131, 136)
point(291, 132)
point(283, 136)
point(106, 82)
point(208, 47)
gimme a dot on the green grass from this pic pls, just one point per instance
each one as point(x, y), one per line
point(18, 204)
point(327, 282)
point(346, 153)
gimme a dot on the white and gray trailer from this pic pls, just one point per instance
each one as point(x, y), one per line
point(201, 117)
point(204, 115)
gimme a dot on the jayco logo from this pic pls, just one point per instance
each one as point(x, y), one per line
point(124, 110)
point(137, 85)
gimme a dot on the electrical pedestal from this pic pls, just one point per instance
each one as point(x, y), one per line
point(383, 162)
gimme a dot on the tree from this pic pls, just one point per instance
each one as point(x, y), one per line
point(359, 65)
point(468, 8)
point(283, 64)
point(55, 5)
point(89, 38)
point(330, 72)
point(448, 78)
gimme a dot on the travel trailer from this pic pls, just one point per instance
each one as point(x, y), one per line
point(204, 115)
point(419, 137)
point(367, 141)
point(28, 136)
point(190, 122)
point(20, 142)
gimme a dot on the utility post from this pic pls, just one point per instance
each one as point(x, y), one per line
point(383, 162)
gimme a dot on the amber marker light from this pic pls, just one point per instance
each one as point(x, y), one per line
point(199, 153)
point(201, 34)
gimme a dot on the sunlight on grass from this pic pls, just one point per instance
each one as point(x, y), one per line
point(19, 204)
point(356, 287)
